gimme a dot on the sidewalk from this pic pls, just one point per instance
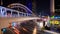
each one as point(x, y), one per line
point(50, 32)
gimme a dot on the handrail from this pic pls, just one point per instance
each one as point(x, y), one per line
point(4, 10)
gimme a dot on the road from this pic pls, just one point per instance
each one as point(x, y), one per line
point(4, 21)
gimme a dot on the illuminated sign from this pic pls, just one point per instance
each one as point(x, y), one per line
point(54, 22)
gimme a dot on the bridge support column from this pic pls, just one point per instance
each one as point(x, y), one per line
point(52, 7)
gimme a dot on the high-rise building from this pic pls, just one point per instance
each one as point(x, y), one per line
point(57, 7)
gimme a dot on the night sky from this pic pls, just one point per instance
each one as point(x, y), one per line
point(7, 2)
point(42, 6)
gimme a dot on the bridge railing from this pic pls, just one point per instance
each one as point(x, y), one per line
point(6, 12)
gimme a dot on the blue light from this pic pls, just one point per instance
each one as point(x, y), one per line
point(4, 29)
point(13, 24)
point(57, 17)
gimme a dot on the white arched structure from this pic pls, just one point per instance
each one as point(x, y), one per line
point(18, 5)
point(3, 13)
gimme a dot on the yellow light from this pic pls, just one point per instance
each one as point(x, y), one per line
point(35, 30)
point(54, 22)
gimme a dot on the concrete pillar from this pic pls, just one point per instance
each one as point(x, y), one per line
point(34, 6)
point(18, 14)
point(52, 9)
point(11, 13)
point(1, 2)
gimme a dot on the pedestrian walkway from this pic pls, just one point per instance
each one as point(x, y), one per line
point(50, 32)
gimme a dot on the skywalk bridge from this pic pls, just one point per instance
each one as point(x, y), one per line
point(6, 12)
